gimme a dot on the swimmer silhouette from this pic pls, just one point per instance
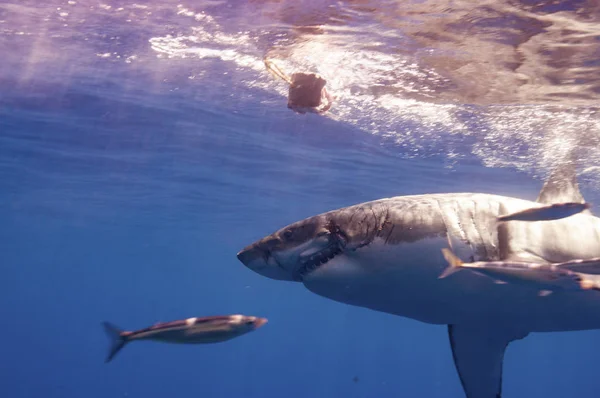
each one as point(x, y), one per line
point(307, 92)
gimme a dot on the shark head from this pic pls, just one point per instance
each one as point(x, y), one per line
point(296, 250)
point(369, 255)
point(299, 249)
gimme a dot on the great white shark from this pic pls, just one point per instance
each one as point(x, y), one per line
point(386, 255)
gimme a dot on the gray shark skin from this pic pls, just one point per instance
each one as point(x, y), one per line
point(386, 255)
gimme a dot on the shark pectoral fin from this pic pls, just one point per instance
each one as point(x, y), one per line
point(561, 186)
point(478, 354)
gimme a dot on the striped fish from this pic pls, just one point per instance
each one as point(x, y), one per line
point(547, 213)
point(212, 329)
point(547, 277)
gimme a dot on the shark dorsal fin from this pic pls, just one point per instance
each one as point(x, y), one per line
point(561, 186)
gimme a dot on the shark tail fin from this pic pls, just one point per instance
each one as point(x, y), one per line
point(453, 261)
point(117, 340)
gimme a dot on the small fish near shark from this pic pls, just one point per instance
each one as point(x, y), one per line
point(206, 330)
point(546, 277)
point(547, 213)
point(386, 255)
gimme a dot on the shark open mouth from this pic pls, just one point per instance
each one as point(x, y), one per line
point(317, 260)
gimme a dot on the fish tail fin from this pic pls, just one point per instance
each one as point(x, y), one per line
point(454, 263)
point(117, 340)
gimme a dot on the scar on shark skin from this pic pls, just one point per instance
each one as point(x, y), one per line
point(307, 92)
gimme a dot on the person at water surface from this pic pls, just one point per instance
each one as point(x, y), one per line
point(212, 329)
point(307, 92)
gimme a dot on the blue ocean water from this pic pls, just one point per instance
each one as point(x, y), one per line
point(143, 145)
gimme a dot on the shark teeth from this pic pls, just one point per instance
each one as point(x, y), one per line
point(316, 260)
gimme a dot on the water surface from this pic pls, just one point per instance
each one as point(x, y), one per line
point(142, 145)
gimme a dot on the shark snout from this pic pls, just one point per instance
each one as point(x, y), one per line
point(261, 260)
point(250, 255)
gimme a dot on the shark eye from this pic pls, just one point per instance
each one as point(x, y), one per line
point(287, 234)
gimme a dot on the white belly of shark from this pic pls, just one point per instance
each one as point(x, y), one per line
point(386, 255)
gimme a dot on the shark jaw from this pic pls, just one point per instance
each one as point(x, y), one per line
point(275, 258)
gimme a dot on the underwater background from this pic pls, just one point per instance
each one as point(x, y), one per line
point(142, 145)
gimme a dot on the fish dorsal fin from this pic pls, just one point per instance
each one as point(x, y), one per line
point(561, 186)
point(478, 354)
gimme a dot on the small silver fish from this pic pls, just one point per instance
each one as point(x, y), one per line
point(212, 329)
point(547, 213)
point(547, 277)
